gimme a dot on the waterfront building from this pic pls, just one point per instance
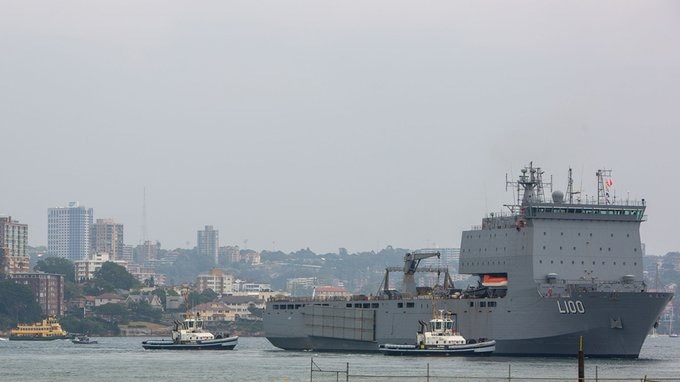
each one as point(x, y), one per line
point(48, 289)
point(13, 242)
point(208, 242)
point(86, 268)
point(107, 236)
point(216, 280)
point(214, 311)
point(68, 231)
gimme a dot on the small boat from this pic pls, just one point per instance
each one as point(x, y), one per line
point(191, 335)
point(441, 339)
point(83, 340)
point(46, 330)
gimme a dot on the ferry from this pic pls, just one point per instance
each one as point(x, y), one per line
point(46, 330)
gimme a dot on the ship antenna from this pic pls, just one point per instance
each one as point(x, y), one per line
point(604, 183)
point(570, 188)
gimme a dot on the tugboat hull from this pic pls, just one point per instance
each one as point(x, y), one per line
point(481, 348)
point(216, 344)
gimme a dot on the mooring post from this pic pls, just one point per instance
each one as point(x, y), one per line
point(581, 366)
point(311, 369)
point(347, 373)
point(428, 372)
point(509, 375)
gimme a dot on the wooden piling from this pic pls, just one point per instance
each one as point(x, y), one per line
point(581, 362)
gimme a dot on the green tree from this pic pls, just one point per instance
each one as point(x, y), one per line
point(71, 291)
point(57, 265)
point(112, 312)
point(113, 276)
point(196, 298)
point(143, 311)
point(90, 325)
point(18, 304)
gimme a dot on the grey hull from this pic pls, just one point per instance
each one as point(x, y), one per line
point(612, 325)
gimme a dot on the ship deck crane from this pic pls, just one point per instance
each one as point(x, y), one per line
point(411, 262)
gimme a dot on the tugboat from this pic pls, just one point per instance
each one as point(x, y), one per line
point(46, 330)
point(190, 334)
point(441, 339)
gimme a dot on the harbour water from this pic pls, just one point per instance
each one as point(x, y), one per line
point(255, 359)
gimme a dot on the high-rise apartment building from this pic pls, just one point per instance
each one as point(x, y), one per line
point(106, 236)
point(13, 236)
point(208, 242)
point(13, 242)
point(68, 231)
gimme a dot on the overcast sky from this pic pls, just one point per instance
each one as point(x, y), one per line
point(327, 124)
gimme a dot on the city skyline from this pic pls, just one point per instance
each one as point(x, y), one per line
point(308, 124)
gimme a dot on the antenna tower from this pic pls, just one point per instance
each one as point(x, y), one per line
point(604, 183)
point(570, 189)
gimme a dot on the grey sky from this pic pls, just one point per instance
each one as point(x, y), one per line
point(332, 124)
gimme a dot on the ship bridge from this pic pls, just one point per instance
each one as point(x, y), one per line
point(568, 240)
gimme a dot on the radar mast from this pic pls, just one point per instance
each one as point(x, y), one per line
point(530, 187)
point(570, 189)
point(605, 186)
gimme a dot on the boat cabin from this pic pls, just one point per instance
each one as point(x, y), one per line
point(442, 331)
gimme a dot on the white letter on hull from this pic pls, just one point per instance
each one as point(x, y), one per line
point(571, 307)
point(559, 307)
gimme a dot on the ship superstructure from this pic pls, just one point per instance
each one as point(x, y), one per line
point(551, 270)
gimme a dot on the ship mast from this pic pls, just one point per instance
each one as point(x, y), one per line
point(570, 189)
point(530, 187)
point(604, 184)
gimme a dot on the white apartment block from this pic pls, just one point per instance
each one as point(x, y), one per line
point(85, 269)
point(68, 231)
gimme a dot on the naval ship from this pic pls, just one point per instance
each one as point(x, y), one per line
point(551, 271)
